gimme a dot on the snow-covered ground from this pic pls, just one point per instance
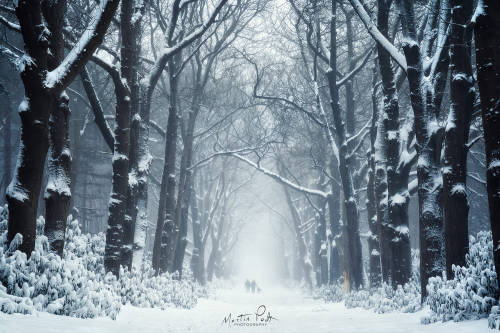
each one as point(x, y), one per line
point(293, 313)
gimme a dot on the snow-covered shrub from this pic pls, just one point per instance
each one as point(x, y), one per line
point(385, 299)
point(77, 284)
point(332, 293)
point(145, 289)
point(473, 290)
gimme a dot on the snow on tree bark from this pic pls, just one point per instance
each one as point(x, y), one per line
point(131, 16)
point(486, 30)
point(397, 172)
point(351, 210)
point(375, 276)
point(58, 190)
point(426, 82)
point(42, 90)
point(119, 222)
point(455, 203)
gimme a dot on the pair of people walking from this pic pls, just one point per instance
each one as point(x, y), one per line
point(251, 286)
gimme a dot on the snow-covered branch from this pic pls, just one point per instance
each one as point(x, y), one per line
point(377, 35)
point(63, 75)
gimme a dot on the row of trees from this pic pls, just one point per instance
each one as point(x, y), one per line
point(356, 105)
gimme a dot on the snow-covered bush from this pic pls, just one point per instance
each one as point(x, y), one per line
point(332, 293)
point(473, 290)
point(77, 284)
point(385, 299)
point(145, 289)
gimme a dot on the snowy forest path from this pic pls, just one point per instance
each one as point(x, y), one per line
point(293, 311)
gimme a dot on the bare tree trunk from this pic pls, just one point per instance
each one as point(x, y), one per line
point(351, 209)
point(117, 202)
point(397, 181)
point(7, 149)
point(425, 96)
point(133, 36)
point(58, 190)
point(371, 204)
point(456, 205)
point(163, 246)
point(185, 183)
point(486, 30)
point(304, 261)
point(333, 211)
point(119, 220)
point(197, 260)
point(385, 233)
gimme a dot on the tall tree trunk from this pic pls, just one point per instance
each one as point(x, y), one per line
point(7, 148)
point(334, 215)
point(118, 199)
point(118, 220)
point(487, 30)
point(371, 204)
point(144, 158)
point(323, 250)
point(180, 248)
point(456, 205)
point(351, 208)
point(304, 261)
point(425, 97)
point(133, 37)
point(24, 189)
point(58, 190)
point(185, 183)
point(385, 233)
point(165, 225)
point(197, 260)
point(397, 183)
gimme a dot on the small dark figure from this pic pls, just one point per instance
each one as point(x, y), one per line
point(247, 285)
point(253, 286)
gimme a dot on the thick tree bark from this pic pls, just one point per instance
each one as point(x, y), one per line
point(487, 30)
point(24, 189)
point(425, 96)
point(58, 190)
point(456, 205)
point(397, 178)
point(41, 94)
point(131, 63)
point(117, 201)
point(351, 208)
point(144, 163)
